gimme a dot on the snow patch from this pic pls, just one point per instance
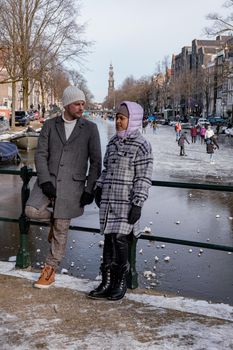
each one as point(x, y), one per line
point(200, 307)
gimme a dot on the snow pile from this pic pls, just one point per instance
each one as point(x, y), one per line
point(199, 307)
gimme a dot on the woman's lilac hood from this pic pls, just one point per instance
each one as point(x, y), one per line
point(135, 118)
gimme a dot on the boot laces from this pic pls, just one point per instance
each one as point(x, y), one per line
point(47, 272)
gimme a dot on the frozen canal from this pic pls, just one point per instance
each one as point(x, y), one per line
point(203, 216)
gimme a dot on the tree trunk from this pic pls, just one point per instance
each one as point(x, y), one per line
point(13, 105)
point(25, 94)
point(207, 104)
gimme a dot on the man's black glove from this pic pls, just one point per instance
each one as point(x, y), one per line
point(134, 214)
point(98, 194)
point(86, 198)
point(48, 189)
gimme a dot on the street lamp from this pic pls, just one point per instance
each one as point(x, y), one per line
point(152, 107)
point(20, 97)
point(196, 109)
point(178, 110)
point(223, 108)
point(114, 101)
point(37, 91)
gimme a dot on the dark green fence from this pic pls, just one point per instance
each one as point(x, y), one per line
point(23, 256)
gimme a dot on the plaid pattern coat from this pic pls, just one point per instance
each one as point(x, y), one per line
point(125, 180)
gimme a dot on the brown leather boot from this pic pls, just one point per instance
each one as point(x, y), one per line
point(46, 279)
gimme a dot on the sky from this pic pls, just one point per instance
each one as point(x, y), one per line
point(135, 35)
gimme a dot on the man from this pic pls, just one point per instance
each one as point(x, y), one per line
point(68, 150)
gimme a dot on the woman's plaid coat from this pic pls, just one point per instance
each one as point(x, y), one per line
point(125, 180)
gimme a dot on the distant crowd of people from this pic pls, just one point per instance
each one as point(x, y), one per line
point(151, 123)
point(204, 132)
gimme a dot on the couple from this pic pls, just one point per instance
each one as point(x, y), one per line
point(68, 163)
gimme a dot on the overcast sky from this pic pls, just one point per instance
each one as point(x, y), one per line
point(134, 35)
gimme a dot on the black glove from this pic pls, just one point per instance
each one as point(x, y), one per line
point(48, 189)
point(134, 214)
point(98, 194)
point(86, 198)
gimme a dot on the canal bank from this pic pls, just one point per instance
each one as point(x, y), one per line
point(62, 317)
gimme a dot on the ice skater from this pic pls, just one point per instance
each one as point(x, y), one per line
point(211, 146)
point(181, 142)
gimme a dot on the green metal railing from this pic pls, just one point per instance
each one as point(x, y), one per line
point(23, 256)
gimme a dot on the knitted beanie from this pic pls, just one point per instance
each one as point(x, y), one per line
point(122, 109)
point(72, 94)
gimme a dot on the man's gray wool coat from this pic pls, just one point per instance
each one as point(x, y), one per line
point(125, 180)
point(66, 163)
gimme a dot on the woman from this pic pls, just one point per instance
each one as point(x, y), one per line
point(120, 193)
point(211, 145)
point(193, 133)
point(181, 141)
point(202, 133)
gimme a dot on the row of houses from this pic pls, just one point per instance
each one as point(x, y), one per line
point(36, 97)
point(6, 93)
point(201, 78)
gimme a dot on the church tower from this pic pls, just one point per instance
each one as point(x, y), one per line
point(110, 81)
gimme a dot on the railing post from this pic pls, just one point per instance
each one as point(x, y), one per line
point(132, 281)
point(23, 257)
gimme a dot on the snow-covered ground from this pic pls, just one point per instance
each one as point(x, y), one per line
point(202, 325)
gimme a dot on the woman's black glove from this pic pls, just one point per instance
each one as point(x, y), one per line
point(134, 214)
point(98, 194)
point(48, 189)
point(86, 198)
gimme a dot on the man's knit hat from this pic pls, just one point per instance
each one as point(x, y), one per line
point(122, 109)
point(72, 94)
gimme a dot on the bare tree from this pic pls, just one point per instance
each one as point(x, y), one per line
point(78, 79)
point(221, 24)
point(182, 91)
point(45, 29)
point(127, 91)
point(133, 90)
point(145, 93)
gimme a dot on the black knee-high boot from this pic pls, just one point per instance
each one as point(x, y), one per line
point(120, 268)
point(102, 291)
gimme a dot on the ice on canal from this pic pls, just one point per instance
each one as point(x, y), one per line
point(168, 163)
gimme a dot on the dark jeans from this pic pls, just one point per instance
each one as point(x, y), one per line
point(194, 139)
point(182, 151)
